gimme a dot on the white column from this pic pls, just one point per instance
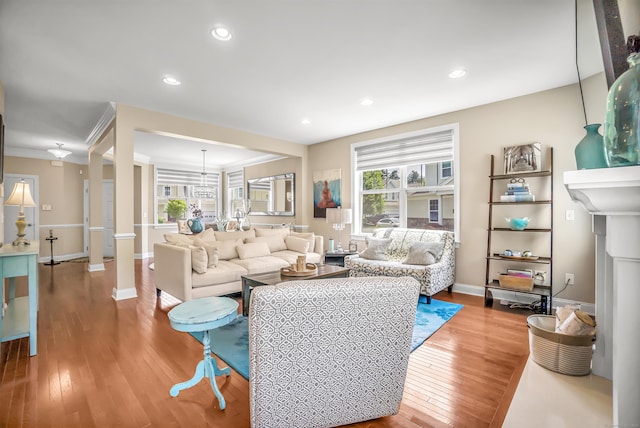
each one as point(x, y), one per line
point(602, 364)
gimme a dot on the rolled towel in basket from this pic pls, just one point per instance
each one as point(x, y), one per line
point(578, 323)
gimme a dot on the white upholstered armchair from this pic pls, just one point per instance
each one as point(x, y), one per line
point(329, 352)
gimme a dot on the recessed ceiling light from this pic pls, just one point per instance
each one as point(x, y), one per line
point(169, 80)
point(305, 122)
point(366, 102)
point(456, 74)
point(221, 33)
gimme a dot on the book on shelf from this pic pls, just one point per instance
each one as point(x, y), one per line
point(518, 198)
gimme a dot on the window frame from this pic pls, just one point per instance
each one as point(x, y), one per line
point(356, 179)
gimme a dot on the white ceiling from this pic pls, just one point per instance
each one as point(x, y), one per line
point(62, 62)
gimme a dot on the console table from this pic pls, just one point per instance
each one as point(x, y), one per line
point(21, 317)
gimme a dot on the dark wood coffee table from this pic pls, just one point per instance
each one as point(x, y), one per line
point(273, 278)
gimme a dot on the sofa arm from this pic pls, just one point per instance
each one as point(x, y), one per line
point(319, 244)
point(173, 270)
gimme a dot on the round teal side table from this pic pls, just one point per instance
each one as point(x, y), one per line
point(203, 315)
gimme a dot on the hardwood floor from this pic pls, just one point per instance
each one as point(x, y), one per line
point(106, 363)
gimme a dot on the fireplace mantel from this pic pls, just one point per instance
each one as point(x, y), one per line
point(612, 196)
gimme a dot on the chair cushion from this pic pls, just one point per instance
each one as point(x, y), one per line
point(423, 253)
point(376, 248)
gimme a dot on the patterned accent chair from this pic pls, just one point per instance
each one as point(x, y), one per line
point(433, 278)
point(329, 352)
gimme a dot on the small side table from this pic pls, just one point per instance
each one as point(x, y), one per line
point(203, 315)
point(333, 258)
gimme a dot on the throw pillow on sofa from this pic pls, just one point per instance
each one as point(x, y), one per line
point(424, 253)
point(211, 249)
point(275, 242)
point(296, 244)
point(376, 248)
point(199, 259)
point(309, 236)
point(227, 249)
point(252, 250)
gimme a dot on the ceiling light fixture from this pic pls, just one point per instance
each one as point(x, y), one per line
point(306, 122)
point(221, 33)
point(59, 153)
point(203, 191)
point(366, 102)
point(169, 80)
point(456, 74)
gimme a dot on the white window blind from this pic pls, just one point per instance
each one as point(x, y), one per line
point(421, 149)
point(187, 178)
point(235, 179)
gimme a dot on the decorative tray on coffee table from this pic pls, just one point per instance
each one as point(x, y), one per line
point(309, 269)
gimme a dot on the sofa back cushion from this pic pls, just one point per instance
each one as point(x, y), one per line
point(234, 236)
point(178, 238)
point(275, 242)
point(402, 238)
point(227, 249)
point(283, 232)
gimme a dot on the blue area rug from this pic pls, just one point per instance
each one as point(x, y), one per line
point(231, 342)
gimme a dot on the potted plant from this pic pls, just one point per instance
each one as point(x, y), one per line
point(175, 209)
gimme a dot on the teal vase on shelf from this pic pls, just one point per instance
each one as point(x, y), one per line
point(622, 117)
point(195, 225)
point(590, 152)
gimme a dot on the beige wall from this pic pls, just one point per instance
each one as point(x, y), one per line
point(2, 187)
point(553, 118)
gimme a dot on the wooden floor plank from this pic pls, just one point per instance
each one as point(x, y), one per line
point(103, 363)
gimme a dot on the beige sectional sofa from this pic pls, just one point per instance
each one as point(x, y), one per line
point(212, 263)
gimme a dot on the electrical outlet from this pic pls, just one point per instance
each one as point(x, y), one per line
point(568, 279)
point(570, 215)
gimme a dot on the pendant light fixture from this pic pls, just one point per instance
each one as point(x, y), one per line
point(59, 153)
point(589, 152)
point(203, 191)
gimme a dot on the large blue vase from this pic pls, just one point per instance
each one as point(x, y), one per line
point(195, 225)
point(590, 152)
point(622, 121)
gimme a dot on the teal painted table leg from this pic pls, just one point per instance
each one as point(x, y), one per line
point(205, 368)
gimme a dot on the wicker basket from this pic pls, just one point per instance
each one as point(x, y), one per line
point(570, 355)
point(515, 282)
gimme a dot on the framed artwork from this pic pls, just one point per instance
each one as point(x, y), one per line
point(524, 158)
point(327, 191)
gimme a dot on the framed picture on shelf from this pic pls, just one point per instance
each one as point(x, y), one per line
point(523, 158)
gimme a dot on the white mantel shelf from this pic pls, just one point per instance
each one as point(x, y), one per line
point(612, 196)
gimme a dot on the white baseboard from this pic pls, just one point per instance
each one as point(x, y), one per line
point(126, 293)
point(96, 268)
point(143, 256)
point(514, 296)
point(62, 258)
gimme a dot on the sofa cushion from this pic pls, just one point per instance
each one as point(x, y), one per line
point(225, 272)
point(252, 250)
point(299, 245)
point(207, 235)
point(284, 232)
point(261, 264)
point(291, 257)
point(309, 236)
point(423, 253)
point(376, 248)
point(234, 236)
point(211, 249)
point(178, 238)
point(275, 242)
point(227, 249)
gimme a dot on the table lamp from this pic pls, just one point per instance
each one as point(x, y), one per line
point(339, 217)
point(21, 196)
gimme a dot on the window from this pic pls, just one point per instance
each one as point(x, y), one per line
point(409, 178)
point(173, 184)
point(235, 189)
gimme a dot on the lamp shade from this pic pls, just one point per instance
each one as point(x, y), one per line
point(339, 215)
point(21, 195)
